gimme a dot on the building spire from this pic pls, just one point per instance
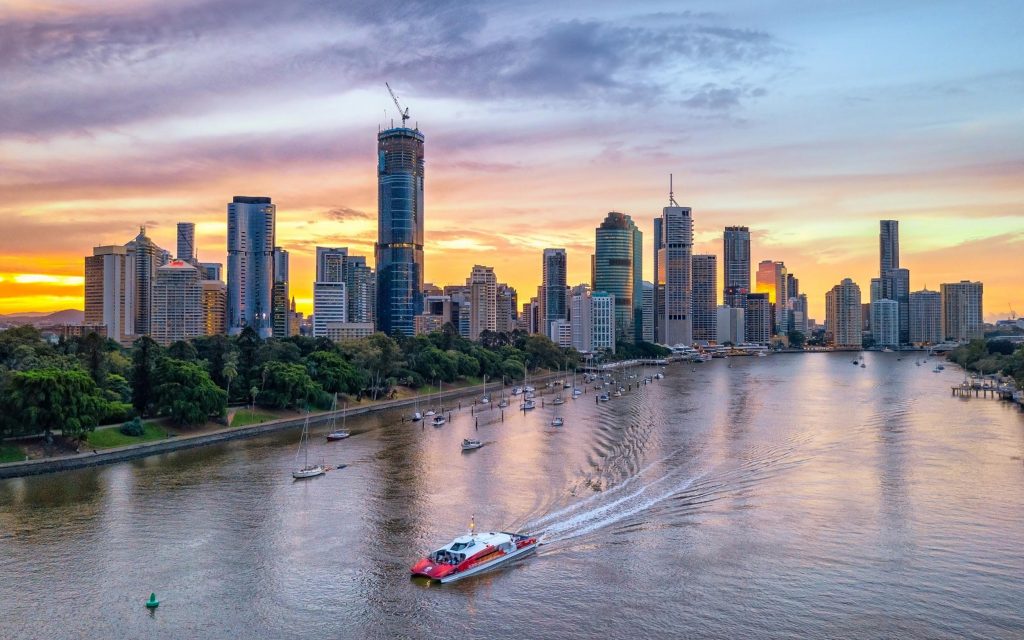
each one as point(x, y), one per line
point(671, 195)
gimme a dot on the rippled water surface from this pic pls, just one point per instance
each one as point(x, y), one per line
point(789, 496)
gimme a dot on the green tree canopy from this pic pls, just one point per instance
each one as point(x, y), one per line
point(46, 400)
point(184, 392)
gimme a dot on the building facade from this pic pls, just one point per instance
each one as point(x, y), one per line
point(483, 300)
point(925, 317)
point(552, 296)
point(617, 266)
point(705, 297)
point(507, 303)
point(843, 317)
point(885, 323)
point(736, 266)
point(214, 303)
point(329, 306)
point(251, 237)
point(758, 319)
point(676, 264)
point(731, 323)
point(110, 292)
point(177, 303)
point(186, 249)
point(279, 297)
point(399, 248)
point(962, 311)
point(648, 302)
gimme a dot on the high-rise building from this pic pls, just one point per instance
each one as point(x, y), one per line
point(211, 271)
point(399, 248)
point(648, 302)
point(900, 283)
point(483, 299)
point(144, 257)
point(187, 242)
point(617, 265)
point(561, 333)
point(279, 298)
point(773, 279)
point(330, 264)
point(251, 236)
point(758, 319)
point(731, 323)
point(843, 315)
point(602, 321)
point(962, 311)
point(580, 317)
point(507, 303)
point(177, 303)
point(888, 246)
point(329, 306)
point(925, 317)
point(885, 322)
point(676, 264)
point(214, 304)
point(552, 289)
point(798, 320)
point(736, 265)
point(659, 285)
point(110, 292)
point(361, 290)
point(705, 297)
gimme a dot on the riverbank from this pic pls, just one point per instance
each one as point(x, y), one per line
point(205, 438)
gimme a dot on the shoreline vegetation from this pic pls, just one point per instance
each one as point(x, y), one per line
point(87, 395)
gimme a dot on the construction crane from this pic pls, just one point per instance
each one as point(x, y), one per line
point(404, 114)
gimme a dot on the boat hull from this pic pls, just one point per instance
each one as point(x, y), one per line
point(493, 564)
point(303, 474)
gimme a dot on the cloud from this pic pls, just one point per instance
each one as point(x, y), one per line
point(341, 214)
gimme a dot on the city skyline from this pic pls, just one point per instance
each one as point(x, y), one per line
point(732, 129)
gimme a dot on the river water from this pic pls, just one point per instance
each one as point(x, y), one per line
point(789, 496)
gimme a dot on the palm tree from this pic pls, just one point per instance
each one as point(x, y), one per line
point(230, 370)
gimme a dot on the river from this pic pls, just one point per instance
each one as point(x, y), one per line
point(789, 496)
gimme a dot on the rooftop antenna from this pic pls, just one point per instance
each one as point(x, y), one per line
point(405, 113)
point(671, 197)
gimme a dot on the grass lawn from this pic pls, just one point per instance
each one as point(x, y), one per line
point(11, 453)
point(246, 417)
point(106, 438)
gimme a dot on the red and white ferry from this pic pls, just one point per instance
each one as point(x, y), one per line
point(473, 554)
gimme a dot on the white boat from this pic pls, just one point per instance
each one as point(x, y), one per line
point(603, 397)
point(577, 393)
point(469, 444)
point(485, 400)
point(473, 554)
point(558, 400)
point(557, 421)
point(417, 416)
point(428, 413)
point(503, 403)
point(342, 433)
point(438, 420)
point(306, 470)
point(617, 393)
point(528, 404)
point(517, 391)
point(530, 389)
point(761, 354)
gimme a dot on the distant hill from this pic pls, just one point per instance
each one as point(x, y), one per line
point(40, 319)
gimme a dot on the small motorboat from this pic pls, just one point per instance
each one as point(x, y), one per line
point(416, 417)
point(577, 393)
point(517, 391)
point(617, 393)
point(438, 420)
point(558, 400)
point(428, 413)
point(469, 444)
point(485, 400)
point(557, 421)
point(603, 397)
point(473, 554)
point(528, 404)
point(503, 403)
point(338, 434)
point(530, 389)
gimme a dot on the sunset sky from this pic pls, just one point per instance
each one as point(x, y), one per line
point(807, 121)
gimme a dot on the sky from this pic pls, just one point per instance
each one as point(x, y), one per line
point(805, 120)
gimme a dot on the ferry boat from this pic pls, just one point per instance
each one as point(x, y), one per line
point(469, 444)
point(473, 554)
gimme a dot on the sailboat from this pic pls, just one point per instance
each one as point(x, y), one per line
point(416, 415)
point(429, 412)
point(306, 470)
point(504, 401)
point(342, 433)
point(528, 402)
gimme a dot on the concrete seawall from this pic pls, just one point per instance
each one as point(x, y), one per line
point(144, 449)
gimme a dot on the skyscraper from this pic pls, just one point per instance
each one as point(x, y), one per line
point(659, 285)
point(648, 302)
point(279, 298)
point(888, 246)
point(110, 292)
point(399, 248)
point(187, 242)
point(507, 303)
point(251, 236)
point(617, 271)
point(177, 303)
point(736, 267)
point(758, 319)
point(925, 317)
point(553, 287)
point(329, 306)
point(214, 305)
point(675, 262)
point(705, 297)
point(773, 279)
point(885, 322)
point(962, 311)
point(483, 300)
point(731, 325)
point(843, 315)
point(144, 257)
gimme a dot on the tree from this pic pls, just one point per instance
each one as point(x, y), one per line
point(333, 373)
point(144, 357)
point(796, 339)
point(50, 399)
point(229, 370)
point(186, 394)
point(117, 388)
point(287, 385)
point(91, 351)
point(376, 355)
point(182, 350)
